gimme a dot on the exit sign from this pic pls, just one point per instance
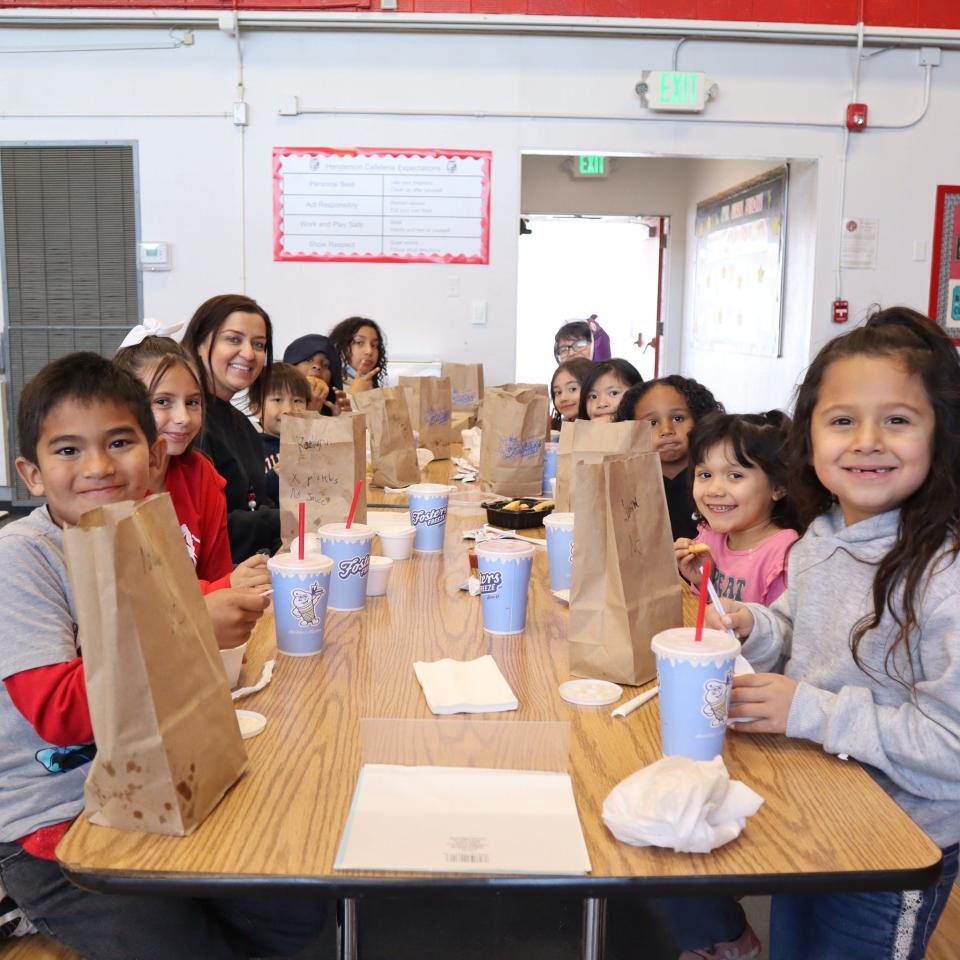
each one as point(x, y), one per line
point(672, 90)
point(590, 165)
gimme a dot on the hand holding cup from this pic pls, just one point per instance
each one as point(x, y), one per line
point(252, 574)
point(234, 614)
point(737, 618)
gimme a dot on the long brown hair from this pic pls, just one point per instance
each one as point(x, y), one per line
point(205, 324)
point(929, 523)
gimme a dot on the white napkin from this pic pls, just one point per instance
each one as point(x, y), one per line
point(424, 456)
point(266, 675)
point(690, 805)
point(472, 686)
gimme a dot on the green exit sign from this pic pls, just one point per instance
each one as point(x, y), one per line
point(672, 90)
point(590, 165)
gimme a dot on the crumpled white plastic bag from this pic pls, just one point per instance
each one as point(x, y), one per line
point(691, 806)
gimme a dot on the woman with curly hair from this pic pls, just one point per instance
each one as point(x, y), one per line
point(363, 353)
point(671, 405)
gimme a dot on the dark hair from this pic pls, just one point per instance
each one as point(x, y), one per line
point(698, 398)
point(930, 516)
point(574, 330)
point(167, 354)
point(623, 369)
point(758, 440)
point(286, 378)
point(342, 336)
point(86, 378)
point(578, 368)
point(306, 347)
point(205, 324)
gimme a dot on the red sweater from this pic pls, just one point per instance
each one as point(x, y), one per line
point(197, 493)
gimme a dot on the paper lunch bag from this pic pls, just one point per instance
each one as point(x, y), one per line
point(393, 452)
point(168, 744)
point(429, 401)
point(321, 460)
point(466, 385)
point(625, 584)
point(511, 444)
point(594, 436)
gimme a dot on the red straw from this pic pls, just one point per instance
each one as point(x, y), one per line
point(303, 525)
point(356, 500)
point(702, 606)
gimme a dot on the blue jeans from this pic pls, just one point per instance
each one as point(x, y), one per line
point(118, 927)
point(860, 926)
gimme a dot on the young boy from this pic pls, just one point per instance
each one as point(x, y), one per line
point(287, 392)
point(87, 437)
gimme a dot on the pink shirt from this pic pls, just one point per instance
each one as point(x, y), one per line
point(757, 575)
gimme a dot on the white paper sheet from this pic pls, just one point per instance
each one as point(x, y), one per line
point(471, 686)
point(463, 820)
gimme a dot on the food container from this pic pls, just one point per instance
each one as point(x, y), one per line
point(516, 519)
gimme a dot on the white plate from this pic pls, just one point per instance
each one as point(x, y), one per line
point(590, 693)
point(250, 723)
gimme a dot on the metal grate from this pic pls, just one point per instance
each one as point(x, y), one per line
point(69, 237)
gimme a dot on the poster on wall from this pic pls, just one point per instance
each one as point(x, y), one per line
point(381, 205)
point(738, 288)
point(945, 274)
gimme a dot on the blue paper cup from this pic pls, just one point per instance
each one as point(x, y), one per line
point(504, 567)
point(301, 590)
point(428, 514)
point(695, 681)
point(549, 464)
point(559, 527)
point(350, 552)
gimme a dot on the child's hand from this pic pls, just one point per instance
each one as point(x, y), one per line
point(252, 574)
point(319, 390)
point(234, 614)
point(339, 403)
point(689, 563)
point(766, 696)
point(363, 381)
point(737, 618)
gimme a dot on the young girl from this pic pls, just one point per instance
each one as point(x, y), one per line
point(231, 342)
point(195, 487)
point(870, 620)
point(363, 353)
point(565, 389)
point(671, 405)
point(603, 387)
point(739, 487)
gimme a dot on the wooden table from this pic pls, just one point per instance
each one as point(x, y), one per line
point(824, 824)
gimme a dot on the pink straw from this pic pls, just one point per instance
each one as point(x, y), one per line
point(702, 605)
point(353, 506)
point(303, 525)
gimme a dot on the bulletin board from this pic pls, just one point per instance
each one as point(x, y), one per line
point(738, 287)
point(945, 273)
point(381, 205)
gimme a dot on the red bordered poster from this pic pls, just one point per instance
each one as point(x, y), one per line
point(945, 273)
point(381, 205)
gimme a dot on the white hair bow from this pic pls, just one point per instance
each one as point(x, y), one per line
point(151, 327)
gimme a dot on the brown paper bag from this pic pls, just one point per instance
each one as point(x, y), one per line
point(594, 436)
point(321, 460)
point(625, 584)
point(429, 401)
point(466, 385)
point(540, 388)
point(168, 744)
point(393, 452)
point(511, 447)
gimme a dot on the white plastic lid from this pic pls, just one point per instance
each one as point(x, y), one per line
point(429, 489)
point(383, 562)
point(680, 643)
point(339, 531)
point(562, 520)
point(590, 693)
point(250, 723)
point(291, 563)
point(396, 531)
point(510, 549)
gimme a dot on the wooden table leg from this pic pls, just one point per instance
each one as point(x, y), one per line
point(347, 929)
point(594, 928)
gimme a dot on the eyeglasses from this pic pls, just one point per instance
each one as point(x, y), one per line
point(565, 349)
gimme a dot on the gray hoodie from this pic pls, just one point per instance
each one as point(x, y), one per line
point(909, 742)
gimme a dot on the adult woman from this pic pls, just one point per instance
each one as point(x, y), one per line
point(231, 340)
point(363, 353)
point(317, 358)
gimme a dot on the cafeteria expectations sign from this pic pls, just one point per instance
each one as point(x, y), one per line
point(381, 205)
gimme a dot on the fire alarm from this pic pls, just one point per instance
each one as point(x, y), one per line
point(856, 117)
point(841, 311)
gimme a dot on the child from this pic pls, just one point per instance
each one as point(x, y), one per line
point(287, 392)
point(870, 620)
point(363, 353)
point(739, 486)
point(195, 487)
point(87, 437)
point(581, 338)
point(317, 359)
point(671, 405)
point(230, 339)
point(603, 387)
point(565, 389)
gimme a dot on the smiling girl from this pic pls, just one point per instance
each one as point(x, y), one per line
point(604, 386)
point(231, 341)
point(565, 389)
